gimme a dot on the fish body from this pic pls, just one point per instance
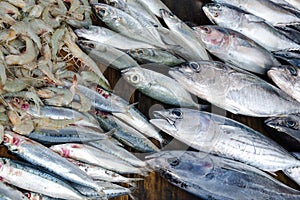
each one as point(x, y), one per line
point(224, 137)
point(234, 90)
point(235, 48)
point(290, 57)
point(8, 192)
point(212, 177)
point(249, 25)
point(294, 173)
point(287, 78)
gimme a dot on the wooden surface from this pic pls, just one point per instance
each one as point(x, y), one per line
point(154, 187)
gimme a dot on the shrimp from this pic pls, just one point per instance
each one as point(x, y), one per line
point(25, 5)
point(61, 9)
point(8, 13)
point(24, 58)
point(47, 123)
point(3, 77)
point(56, 41)
point(57, 96)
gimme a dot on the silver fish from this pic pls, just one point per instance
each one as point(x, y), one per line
point(216, 134)
point(212, 177)
point(40, 155)
point(234, 90)
point(107, 55)
point(9, 192)
point(187, 38)
point(154, 6)
point(292, 58)
point(91, 155)
point(289, 124)
point(294, 3)
point(160, 56)
point(287, 78)
point(109, 37)
point(271, 12)
point(26, 177)
point(249, 25)
point(294, 173)
point(158, 86)
point(235, 48)
point(125, 24)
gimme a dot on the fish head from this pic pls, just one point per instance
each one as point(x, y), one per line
point(213, 37)
point(12, 140)
point(182, 163)
point(285, 76)
point(219, 13)
point(87, 45)
point(135, 76)
point(140, 53)
point(86, 32)
point(102, 11)
point(120, 4)
point(169, 18)
point(182, 123)
point(284, 123)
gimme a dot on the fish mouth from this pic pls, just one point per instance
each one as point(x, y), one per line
point(163, 115)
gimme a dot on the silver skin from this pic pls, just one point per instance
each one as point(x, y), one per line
point(158, 86)
point(94, 156)
point(107, 55)
point(234, 90)
point(271, 12)
point(60, 113)
point(26, 177)
point(294, 173)
point(127, 25)
point(154, 6)
point(212, 177)
point(42, 156)
point(187, 38)
point(109, 37)
point(292, 58)
point(235, 48)
point(113, 190)
point(287, 78)
point(253, 27)
point(289, 124)
point(294, 3)
point(224, 137)
point(8, 192)
point(160, 56)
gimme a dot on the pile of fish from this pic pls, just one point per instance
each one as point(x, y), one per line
point(72, 133)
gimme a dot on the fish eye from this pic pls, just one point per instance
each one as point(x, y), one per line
point(140, 51)
point(195, 66)
point(6, 139)
point(91, 45)
point(102, 12)
point(292, 70)
point(177, 113)
point(174, 161)
point(135, 78)
point(290, 124)
point(206, 29)
point(218, 6)
point(112, 3)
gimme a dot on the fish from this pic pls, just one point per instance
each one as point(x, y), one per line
point(61, 113)
point(158, 86)
point(253, 27)
point(8, 192)
point(212, 177)
point(287, 78)
point(94, 156)
point(289, 124)
point(125, 24)
point(292, 58)
point(294, 3)
point(193, 48)
point(29, 178)
point(107, 55)
point(42, 156)
point(271, 12)
point(109, 37)
point(113, 190)
point(234, 48)
point(125, 133)
point(294, 173)
point(234, 90)
point(150, 55)
point(224, 137)
point(68, 134)
point(290, 32)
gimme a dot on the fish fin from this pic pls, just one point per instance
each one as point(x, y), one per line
point(290, 49)
point(131, 105)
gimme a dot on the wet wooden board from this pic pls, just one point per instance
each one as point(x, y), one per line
point(154, 187)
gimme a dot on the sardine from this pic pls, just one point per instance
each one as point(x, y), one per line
point(112, 190)
point(212, 177)
point(289, 124)
point(234, 90)
point(158, 86)
point(40, 155)
point(235, 48)
point(294, 173)
point(9, 192)
point(69, 134)
point(290, 32)
point(26, 177)
point(224, 137)
point(126, 134)
point(160, 56)
point(154, 6)
point(287, 78)
point(91, 155)
point(249, 25)
point(109, 37)
point(188, 40)
point(271, 12)
point(107, 55)
point(292, 58)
